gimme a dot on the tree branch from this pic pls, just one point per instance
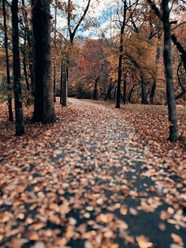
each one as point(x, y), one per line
point(173, 37)
point(72, 33)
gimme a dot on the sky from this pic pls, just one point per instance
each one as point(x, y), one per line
point(99, 10)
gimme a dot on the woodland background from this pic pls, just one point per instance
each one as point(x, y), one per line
point(117, 54)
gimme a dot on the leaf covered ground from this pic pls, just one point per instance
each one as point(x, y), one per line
point(99, 177)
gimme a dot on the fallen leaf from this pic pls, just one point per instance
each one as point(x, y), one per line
point(123, 210)
point(162, 226)
point(61, 241)
point(39, 244)
point(177, 239)
point(143, 242)
point(175, 246)
point(88, 244)
point(32, 235)
point(133, 211)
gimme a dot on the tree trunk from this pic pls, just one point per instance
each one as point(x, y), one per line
point(143, 93)
point(180, 49)
point(152, 93)
point(119, 79)
point(61, 79)
point(65, 87)
point(63, 98)
point(110, 88)
point(173, 136)
point(130, 93)
point(43, 105)
point(72, 34)
point(54, 89)
point(153, 89)
point(121, 57)
point(95, 89)
point(16, 70)
point(124, 89)
point(10, 112)
point(55, 26)
point(173, 37)
point(25, 72)
point(28, 54)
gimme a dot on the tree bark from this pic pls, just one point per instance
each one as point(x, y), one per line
point(10, 112)
point(43, 105)
point(173, 134)
point(16, 70)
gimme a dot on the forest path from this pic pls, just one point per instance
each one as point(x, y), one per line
point(88, 182)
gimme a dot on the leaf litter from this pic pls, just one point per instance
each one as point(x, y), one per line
point(98, 177)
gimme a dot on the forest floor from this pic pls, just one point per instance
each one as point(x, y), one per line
point(99, 177)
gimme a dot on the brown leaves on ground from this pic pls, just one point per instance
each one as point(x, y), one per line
point(151, 123)
point(85, 177)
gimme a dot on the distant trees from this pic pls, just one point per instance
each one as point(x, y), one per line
point(90, 70)
point(74, 16)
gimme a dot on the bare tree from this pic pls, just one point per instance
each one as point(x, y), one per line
point(72, 32)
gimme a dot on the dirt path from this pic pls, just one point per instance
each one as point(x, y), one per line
point(90, 183)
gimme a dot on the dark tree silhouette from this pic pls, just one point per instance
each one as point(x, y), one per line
point(173, 135)
point(43, 104)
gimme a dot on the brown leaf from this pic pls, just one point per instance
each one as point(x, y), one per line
point(133, 211)
point(177, 239)
point(61, 241)
point(39, 244)
point(162, 226)
point(32, 235)
point(88, 244)
point(123, 210)
point(143, 242)
point(38, 225)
